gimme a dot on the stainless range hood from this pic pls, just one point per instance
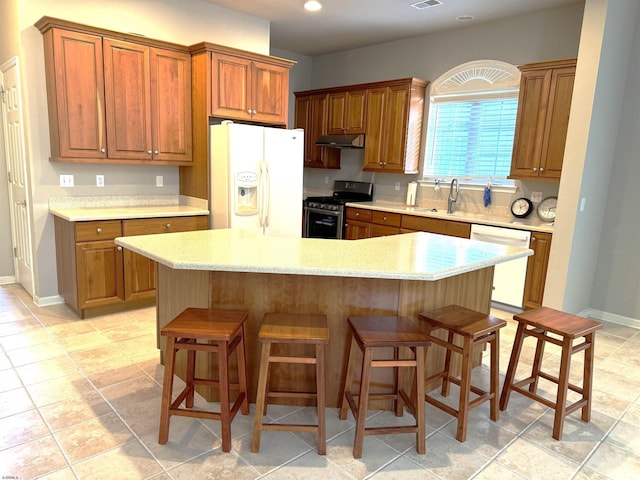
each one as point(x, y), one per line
point(341, 141)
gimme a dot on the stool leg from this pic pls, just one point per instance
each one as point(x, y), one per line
point(320, 400)
point(563, 386)
point(191, 373)
point(261, 396)
point(348, 379)
point(419, 400)
point(399, 383)
point(242, 372)
point(494, 369)
point(225, 414)
point(537, 365)
point(447, 368)
point(167, 387)
point(513, 365)
point(465, 390)
point(363, 402)
point(587, 377)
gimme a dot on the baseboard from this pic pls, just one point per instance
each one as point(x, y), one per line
point(47, 301)
point(7, 280)
point(610, 317)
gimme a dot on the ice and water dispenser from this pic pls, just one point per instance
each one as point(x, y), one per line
point(246, 191)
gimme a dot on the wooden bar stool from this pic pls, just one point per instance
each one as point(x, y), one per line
point(546, 325)
point(370, 334)
point(288, 329)
point(476, 329)
point(221, 332)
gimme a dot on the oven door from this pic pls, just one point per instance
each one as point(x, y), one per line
point(320, 223)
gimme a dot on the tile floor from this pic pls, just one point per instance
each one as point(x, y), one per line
point(80, 399)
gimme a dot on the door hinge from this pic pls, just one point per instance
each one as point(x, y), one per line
point(2, 94)
point(15, 252)
point(9, 176)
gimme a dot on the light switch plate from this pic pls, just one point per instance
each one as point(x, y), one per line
point(66, 181)
point(159, 181)
point(536, 197)
point(99, 180)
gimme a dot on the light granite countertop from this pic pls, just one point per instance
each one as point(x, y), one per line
point(530, 223)
point(78, 209)
point(410, 256)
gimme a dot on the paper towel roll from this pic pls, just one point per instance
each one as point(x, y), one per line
point(412, 190)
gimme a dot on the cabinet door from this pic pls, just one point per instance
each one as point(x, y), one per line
point(537, 270)
point(321, 157)
point(269, 93)
point(357, 230)
point(434, 225)
point(396, 117)
point(303, 120)
point(76, 97)
point(171, 105)
point(99, 273)
point(557, 122)
point(231, 87)
point(373, 145)
point(532, 106)
point(346, 112)
point(337, 111)
point(128, 100)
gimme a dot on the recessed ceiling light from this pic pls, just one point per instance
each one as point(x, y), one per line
point(312, 5)
point(464, 18)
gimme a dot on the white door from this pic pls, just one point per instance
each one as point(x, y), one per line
point(14, 149)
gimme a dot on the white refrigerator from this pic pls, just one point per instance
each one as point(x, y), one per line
point(256, 178)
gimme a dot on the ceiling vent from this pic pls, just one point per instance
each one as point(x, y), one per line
point(426, 4)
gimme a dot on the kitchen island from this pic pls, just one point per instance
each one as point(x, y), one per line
point(396, 275)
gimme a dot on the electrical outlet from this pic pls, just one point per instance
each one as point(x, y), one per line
point(326, 180)
point(582, 204)
point(159, 181)
point(397, 186)
point(536, 197)
point(99, 180)
point(66, 181)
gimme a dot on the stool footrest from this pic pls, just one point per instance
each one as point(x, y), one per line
point(552, 379)
point(292, 395)
point(289, 427)
point(390, 430)
point(286, 359)
point(191, 412)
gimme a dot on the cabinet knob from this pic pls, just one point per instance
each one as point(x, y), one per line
point(168, 225)
point(357, 214)
point(533, 239)
point(384, 219)
point(99, 229)
point(119, 248)
point(156, 152)
point(103, 150)
point(541, 169)
point(535, 169)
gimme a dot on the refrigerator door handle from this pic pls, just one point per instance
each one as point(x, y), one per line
point(267, 195)
point(261, 197)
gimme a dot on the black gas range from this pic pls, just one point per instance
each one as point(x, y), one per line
point(325, 216)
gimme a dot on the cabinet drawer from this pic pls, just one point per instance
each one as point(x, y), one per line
point(147, 226)
point(386, 218)
point(383, 230)
point(98, 230)
point(434, 225)
point(359, 214)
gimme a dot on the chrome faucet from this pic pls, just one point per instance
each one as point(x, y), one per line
point(453, 195)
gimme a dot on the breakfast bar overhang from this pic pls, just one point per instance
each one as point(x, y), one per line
point(394, 275)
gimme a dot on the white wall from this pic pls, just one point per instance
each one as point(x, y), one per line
point(185, 22)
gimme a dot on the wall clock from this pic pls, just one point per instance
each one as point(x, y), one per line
point(547, 209)
point(521, 207)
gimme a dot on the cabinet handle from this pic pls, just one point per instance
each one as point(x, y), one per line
point(119, 248)
point(168, 225)
point(99, 229)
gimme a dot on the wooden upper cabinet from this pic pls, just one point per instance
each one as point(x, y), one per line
point(247, 89)
point(75, 94)
point(394, 126)
point(543, 117)
point(347, 111)
point(311, 116)
point(116, 98)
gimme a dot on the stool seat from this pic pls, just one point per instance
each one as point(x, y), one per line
point(546, 324)
point(290, 328)
point(211, 331)
point(371, 333)
point(476, 329)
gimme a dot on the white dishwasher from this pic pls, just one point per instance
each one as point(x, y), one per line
point(509, 277)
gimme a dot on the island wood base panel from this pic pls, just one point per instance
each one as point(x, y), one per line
point(335, 297)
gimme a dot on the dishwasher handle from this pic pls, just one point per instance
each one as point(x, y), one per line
point(502, 236)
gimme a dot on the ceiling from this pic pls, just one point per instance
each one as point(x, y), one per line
point(345, 24)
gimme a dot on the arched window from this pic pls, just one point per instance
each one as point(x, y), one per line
point(471, 123)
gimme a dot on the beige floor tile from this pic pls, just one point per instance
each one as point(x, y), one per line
point(97, 358)
point(15, 401)
point(632, 415)
point(215, 465)
point(133, 346)
point(143, 417)
point(35, 353)
point(275, 449)
point(614, 462)
point(535, 462)
point(75, 410)
point(32, 459)
point(26, 339)
point(63, 474)
point(16, 326)
point(9, 380)
point(130, 461)
point(58, 389)
point(113, 374)
point(128, 331)
point(12, 313)
point(132, 391)
point(93, 437)
point(309, 416)
point(70, 329)
point(47, 370)
point(84, 341)
point(495, 471)
point(4, 361)
point(626, 436)
point(20, 428)
point(586, 474)
point(312, 465)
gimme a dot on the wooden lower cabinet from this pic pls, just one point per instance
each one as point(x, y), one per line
point(358, 223)
point(537, 270)
point(95, 272)
point(412, 223)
